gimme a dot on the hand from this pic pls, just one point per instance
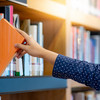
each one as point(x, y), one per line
point(32, 47)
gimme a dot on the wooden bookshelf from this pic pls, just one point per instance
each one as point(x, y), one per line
point(57, 17)
point(37, 12)
point(88, 21)
point(29, 84)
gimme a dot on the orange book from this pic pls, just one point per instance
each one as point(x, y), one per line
point(8, 38)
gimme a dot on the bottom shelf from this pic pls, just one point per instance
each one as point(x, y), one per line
point(78, 87)
point(28, 84)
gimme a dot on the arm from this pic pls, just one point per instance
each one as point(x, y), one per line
point(64, 67)
point(80, 71)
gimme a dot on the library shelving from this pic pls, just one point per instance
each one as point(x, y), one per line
point(28, 84)
point(57, 17)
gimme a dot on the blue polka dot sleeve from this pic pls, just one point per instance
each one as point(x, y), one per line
point(80, 71)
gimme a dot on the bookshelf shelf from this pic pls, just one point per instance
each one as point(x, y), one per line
point(88, 21)
point(37, 12)
point(29, 84)
point(76, 84)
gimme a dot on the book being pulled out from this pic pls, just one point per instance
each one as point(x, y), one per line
point(8, 38)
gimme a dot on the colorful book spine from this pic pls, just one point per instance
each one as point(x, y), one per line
point(11, 14)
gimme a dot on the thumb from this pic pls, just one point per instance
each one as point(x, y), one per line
point(21, 46)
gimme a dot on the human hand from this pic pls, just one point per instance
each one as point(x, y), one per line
point(31, 47)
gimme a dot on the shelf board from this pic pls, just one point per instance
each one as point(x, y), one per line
point(49, 7)
point(79, 87)
point(29, 84)
point(88, 21)
point(76, 84)
point(38, 10)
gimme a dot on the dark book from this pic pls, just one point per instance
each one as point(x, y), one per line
point(6, 11)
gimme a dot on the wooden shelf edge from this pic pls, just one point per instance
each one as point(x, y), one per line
point(20, 85)
point(88, 21)
point(38, 13)
point(76, 84)
point(48, 7)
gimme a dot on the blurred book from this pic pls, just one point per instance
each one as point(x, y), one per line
point(79, 96)
point(85, 45)
point(1, 16)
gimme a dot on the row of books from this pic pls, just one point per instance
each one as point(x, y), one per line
point(87, 6)
point(27, 65)
point(89, 95)
point(85, 45)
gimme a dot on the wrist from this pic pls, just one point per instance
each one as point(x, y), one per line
point(43, 53)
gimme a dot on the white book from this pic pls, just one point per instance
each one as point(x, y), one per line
point(79, 96)
point(17, 65)
point(98, 96)
point(1, 16)
point(11, 68)
point(16, 22)
point(21, 66)
point(40, 41)
point(33, 60)
point(26, 65)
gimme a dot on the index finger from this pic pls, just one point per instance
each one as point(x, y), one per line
point(26, 36)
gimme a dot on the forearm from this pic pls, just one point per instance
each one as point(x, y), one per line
point(49, 56)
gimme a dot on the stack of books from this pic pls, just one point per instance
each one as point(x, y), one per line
point(89, 95)
point(85, 45)
point(27, 65)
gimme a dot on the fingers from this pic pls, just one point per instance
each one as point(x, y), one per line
point(21, 54)
point(21, 46)
point(24, 35)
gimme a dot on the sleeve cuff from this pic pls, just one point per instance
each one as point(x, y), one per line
point(58, 69)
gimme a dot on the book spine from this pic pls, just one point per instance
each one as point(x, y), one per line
point(11, 14)
point(26, 65)
point(1, 16)
point(33, 60)
point(7, 13)
point(40, 41)
point(17, 67)
point(11, 68)
point(14, 66)
point(20, 66)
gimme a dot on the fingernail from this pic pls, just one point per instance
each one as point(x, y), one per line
point(15, 45)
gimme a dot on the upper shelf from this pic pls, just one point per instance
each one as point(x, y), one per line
point(29, 84)
point(38, 10)
point(88, 21)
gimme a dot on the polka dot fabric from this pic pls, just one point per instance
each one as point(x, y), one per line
point(80, 71)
